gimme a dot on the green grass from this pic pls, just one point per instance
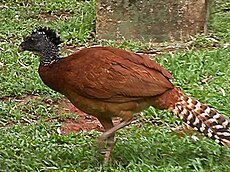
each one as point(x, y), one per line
point(220, 20)
point(27, 143)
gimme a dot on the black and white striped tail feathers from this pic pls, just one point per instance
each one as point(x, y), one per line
point(203, 118)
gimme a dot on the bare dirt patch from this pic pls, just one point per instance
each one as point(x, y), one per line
point(83, 121)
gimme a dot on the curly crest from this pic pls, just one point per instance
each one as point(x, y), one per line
point(51, 35)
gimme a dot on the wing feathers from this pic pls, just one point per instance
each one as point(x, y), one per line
point(117, 75)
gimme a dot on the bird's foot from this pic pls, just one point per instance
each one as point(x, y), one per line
point(109, 141)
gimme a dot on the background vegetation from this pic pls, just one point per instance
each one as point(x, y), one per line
point(29, 143)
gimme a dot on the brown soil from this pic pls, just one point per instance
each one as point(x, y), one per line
point(84, 122)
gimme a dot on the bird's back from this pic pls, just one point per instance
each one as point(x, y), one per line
point(108, 73)
point(105, 76)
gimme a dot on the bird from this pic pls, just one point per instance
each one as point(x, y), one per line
point(108, 82)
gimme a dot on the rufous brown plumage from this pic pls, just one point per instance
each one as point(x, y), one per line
point(109, 82)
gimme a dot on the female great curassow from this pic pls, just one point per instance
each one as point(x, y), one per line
point(108, 82)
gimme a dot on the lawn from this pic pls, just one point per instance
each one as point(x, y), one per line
point(30, 142)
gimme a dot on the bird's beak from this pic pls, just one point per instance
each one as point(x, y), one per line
point(20, 48)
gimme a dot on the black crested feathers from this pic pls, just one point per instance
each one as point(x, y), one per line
point(50, 34)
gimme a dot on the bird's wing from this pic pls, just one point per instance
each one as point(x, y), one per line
point(117, 75)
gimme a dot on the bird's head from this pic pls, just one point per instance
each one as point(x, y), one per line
point(39, 39)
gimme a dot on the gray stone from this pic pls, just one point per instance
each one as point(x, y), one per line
point(150, 20)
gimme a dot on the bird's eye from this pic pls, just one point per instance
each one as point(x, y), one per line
point(33, 38)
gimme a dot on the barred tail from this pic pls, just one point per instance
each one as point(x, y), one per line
point(203, 118)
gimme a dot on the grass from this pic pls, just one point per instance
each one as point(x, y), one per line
point(28, 143)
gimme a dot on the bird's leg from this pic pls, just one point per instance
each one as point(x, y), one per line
point(107, 124)
point(109, 136)
point(112, 130)
point(110, 143)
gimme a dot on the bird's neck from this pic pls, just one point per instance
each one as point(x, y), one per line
point(49, 55)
